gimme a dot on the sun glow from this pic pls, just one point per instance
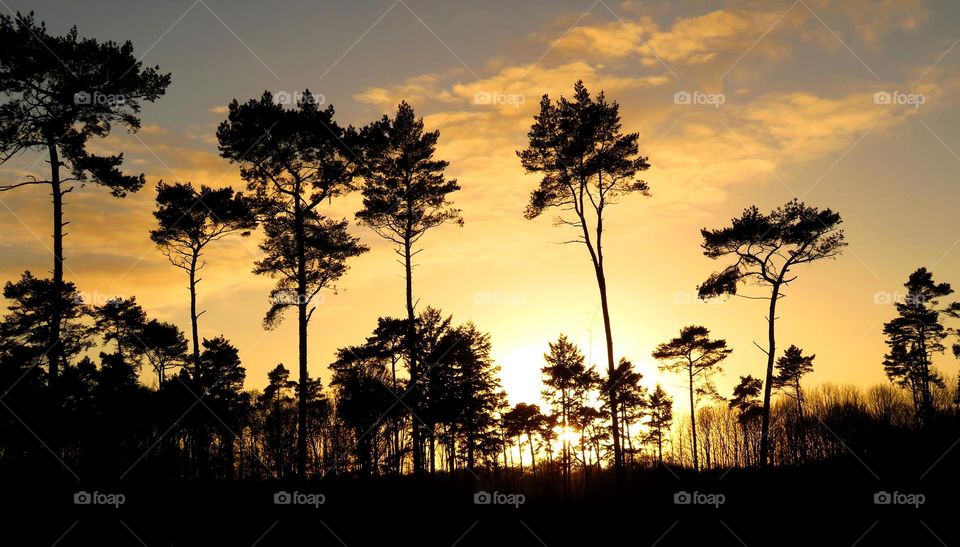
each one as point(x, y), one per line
point(567, 435)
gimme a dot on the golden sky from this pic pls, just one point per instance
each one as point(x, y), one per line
point(799, 118)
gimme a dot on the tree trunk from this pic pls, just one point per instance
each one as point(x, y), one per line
point(660, 445)
point(416, 433)
point(201, 437)
point(299, 222)
point(611, 370)
point(693, 421)
point(194, 327)
point(767, 384)
point(396, 423)
point(55, 349)
point(533, 458)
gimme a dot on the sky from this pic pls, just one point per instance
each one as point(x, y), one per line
point(849, 105)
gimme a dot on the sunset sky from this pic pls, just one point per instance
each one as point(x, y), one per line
point(799, 118)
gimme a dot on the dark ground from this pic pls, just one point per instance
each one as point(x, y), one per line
point(830, 503)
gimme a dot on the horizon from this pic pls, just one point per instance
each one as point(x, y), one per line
point(786, 127)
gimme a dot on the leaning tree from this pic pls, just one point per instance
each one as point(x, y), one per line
point(586, 163)
point(61, 92)
point(765, 248)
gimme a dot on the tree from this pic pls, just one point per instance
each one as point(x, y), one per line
point(164, 346)
point(791, 367)
point(187, 221)
point(631, 397)
point(745, 400)
point(219, 380)
point(766, 247)
point(586, 163)
point(275, 402)
point(661, 417)
point(525, 419)
point(30, 319)
point(405, 194)
point(121, 320)
point(474, 388)
point(61, 92)
point(568, 381)
point(293, 160)
point(362, 400)
point(914, 336)
point(693, 353)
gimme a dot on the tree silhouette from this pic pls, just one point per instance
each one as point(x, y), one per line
point(390, 341)
point(188, 220)
point(586, 163)
point(31, 319)
point(631, 396)
point(405, 194)
point(914, 336)
point(791, 367)
point(164, 346)
point(293, 160)
point(525, 420)
point(362, 400)
point(436, 408)
point(568, 380)
point(661, 417)
point(276, 403)
point(473, 388)
point(219, 380)
point(746, 397)
point(121, 321)
point(697, 355)
point(745, 400)
point(61, 92)
point(766, 247)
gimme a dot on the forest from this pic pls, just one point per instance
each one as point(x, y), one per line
point(104, 392)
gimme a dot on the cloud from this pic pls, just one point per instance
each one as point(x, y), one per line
point(689, 41)
point(699, 153)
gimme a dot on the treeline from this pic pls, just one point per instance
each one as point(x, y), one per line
point(106, 390)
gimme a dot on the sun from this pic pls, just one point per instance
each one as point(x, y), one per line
point(567, 435)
